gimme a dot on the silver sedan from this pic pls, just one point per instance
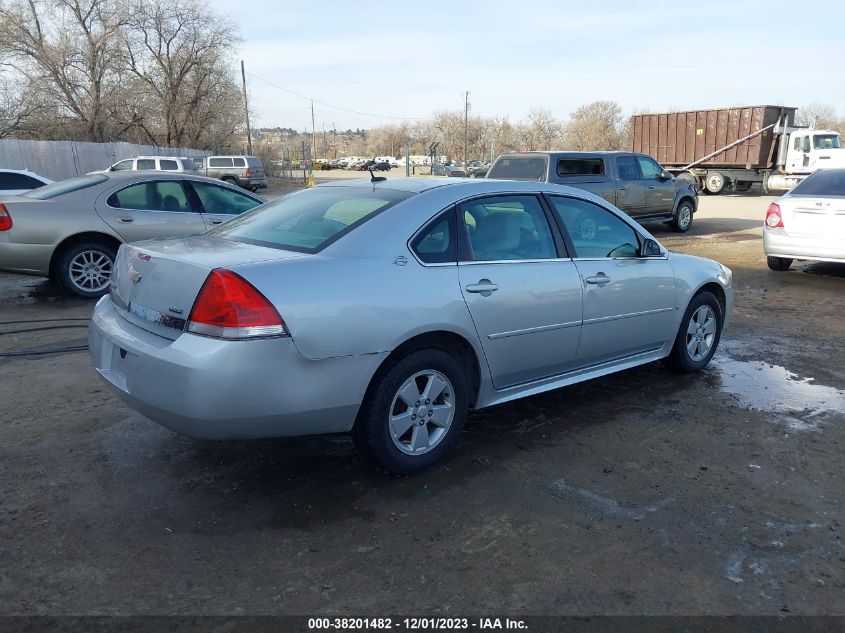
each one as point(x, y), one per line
point(808, 222)
point(390, 309)
point(71, 230)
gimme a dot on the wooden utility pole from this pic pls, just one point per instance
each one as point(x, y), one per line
point(313, 136)
point(246, 111)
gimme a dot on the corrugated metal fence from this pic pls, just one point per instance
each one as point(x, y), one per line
point(65, 159)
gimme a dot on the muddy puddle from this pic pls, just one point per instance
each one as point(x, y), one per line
point(802, 402)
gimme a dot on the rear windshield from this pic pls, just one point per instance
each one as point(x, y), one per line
point(252, 161)
point(520, 168)
point(64, 186)
point(308, 221)
point(580, 166)
point(825, 182)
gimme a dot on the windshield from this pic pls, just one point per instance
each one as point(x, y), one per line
point(824, 182)
point(308, 221)
point(64, 186)
point(520, 168)
point(826, 141)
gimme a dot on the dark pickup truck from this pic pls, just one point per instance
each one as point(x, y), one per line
point(635, 183)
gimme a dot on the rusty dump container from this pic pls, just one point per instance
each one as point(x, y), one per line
point(677, 139)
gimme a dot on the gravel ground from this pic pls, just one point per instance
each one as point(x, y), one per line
point(640, 493)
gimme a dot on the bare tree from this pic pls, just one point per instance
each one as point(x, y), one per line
point(68, 51)
point(595, 126)
point(176, 52)
point(820, 115)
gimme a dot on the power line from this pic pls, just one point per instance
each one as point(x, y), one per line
point(337, 107)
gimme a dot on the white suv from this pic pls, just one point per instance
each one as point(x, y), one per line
point(178, 164)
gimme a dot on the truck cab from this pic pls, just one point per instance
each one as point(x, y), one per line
point(810, 150)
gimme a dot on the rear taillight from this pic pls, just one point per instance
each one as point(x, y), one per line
point(774, 220)
point(228, 306)
point(5, 218)
point(247, 173)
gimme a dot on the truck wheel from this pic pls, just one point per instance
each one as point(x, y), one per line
point(232, 181)
point(714, 183)
point(682, 221)
point(779, 264)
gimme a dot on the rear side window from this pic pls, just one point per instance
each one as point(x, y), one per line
point(436, 242)
point(168, 165)
point(219, 162)
point(520, 168)
point(146, 163)
point(239, 162)
point(308, 221)
point(627, 168)
point(824, 182)
point(65, 186)
point(580, 167)
point(253, 162)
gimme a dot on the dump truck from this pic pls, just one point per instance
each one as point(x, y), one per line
point(730, 149)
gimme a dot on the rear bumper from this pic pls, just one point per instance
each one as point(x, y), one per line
point(260, 183)
point(776, 243)
point(214, 389)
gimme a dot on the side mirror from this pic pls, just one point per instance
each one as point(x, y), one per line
point(650, 248)
point(665, 175)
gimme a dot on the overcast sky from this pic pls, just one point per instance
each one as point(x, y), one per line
point(410, 59)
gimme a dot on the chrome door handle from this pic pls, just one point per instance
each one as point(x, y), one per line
point(125, 220)
point(599, 279)
point(484, 286)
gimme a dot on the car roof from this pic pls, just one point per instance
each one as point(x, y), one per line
point(142, 174)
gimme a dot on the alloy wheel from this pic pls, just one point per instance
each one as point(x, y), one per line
point(422, 412)
point(90, 271)
point(701, 332)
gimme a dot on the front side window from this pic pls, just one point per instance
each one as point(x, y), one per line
point(309, 220)
point(436, 243)
point(165, 195)
point(222, 200)
point(507, 228)
point(122, 165)
point(649, 169)
point(146, 163)
point(627, 168)
point(595, 232)
point(168, 165)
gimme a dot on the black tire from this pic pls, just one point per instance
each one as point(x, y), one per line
point(372, 434)
point(680, 357)
point(780, 264)
point(231, 180)
point(682, 220)
point(73, 256)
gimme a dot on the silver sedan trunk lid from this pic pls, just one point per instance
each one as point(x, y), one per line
point(155, 283)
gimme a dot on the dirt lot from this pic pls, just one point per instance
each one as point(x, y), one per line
point(641, 493)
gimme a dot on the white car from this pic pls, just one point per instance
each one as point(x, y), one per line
point(808, 222)
point(14, 182)
point(178, 164)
